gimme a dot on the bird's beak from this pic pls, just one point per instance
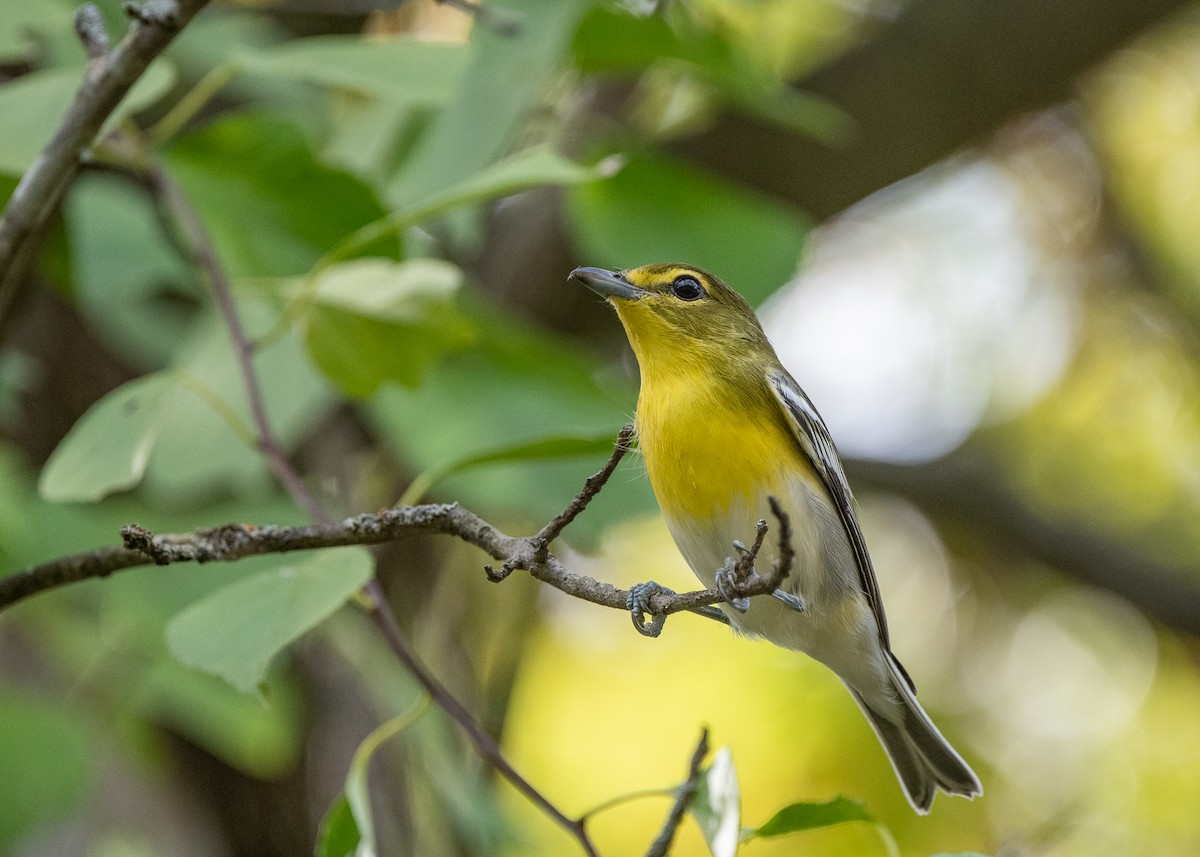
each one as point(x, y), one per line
point(607, 284)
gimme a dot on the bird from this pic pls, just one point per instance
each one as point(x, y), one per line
point(725, 431)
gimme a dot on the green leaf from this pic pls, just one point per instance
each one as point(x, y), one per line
point(348, 827)
point(402, 71)
point(530, 168)
point(808, 816)
point(199, 454)
point(659, 210)
point(615, 40)
point(507, 73)
point(23, 26)
point(236, 632)
point(41, 98)
point(516, 386)
point(339, 835)
point(43, 749)
point(373, 320)
point(717, 806)
point(107, 450)
point(271, 208)
point(133, 285)
point(263, 741)
point(959, 854)
point(534, 167)
point(540, 449)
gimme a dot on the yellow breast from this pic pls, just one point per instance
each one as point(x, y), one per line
point(705, 448)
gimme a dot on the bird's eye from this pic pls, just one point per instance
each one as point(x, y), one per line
point(687, 288)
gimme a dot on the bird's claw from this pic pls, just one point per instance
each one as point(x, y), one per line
point(793, 601)
point(638, 602)
point(726, 583)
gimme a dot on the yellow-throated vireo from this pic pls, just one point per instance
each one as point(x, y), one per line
point(722, 427)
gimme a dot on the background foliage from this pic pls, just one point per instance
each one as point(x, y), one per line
point(1003, 340)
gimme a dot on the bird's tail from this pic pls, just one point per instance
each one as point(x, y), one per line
point(923, 760)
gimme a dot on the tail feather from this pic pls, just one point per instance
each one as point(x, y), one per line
point(922, 758)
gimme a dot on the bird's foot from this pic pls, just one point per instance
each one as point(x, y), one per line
point(728, 578)
point(638, 602)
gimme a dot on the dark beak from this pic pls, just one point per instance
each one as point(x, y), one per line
point(607, 284)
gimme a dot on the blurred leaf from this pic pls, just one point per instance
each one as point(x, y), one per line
point(339, 835)
point(659, 210)
point(357, 789)
point(516, 386)
point(402, 71)
point(614, 40)
point(374, 320)
point(609, 40)
point(717, 806)
point(958, 854)
point(506, 75)
point(236, 632)
point(198, 454)
point(133, 284)
point(271, 208)
point(263, 741)
point(44, 754)
point(541, 449)
point(530, 168)
point(108, 448)
point(23, 25)
point(41, 98)
point(808, 816)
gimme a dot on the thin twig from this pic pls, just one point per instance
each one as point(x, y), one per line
point(538, 544)
point(105, 82)
point(484, 743)
point(591, 487)
point(201, 247)
point(202, 250)
point(687, 791)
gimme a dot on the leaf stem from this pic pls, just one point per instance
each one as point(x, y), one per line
point(192, 102)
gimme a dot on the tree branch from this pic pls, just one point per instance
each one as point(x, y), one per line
point(200, 246)
point(108, 77)
point(196, 237)
point(683, 799)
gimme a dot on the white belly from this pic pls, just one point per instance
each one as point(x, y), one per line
point(837, 628)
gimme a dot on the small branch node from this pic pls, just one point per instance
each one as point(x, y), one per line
point(591, 487)
point(154, 13)
point(497, 575)
point(138, 538)
point(89, 25)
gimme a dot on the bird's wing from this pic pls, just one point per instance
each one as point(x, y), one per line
point(813, 437)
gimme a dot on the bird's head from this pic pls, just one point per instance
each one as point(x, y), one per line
point(673, 311)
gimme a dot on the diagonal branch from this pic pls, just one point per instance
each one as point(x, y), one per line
point(107, 79)
point(197, 240)
point(200, 245)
